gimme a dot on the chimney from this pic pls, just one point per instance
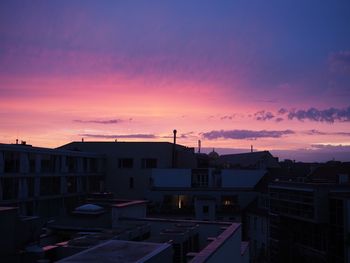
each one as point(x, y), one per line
point(16, 141)
point(199, 146)
point(174, 153)
point(251, 148)
point(82, 139)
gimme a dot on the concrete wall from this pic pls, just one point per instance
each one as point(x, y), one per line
point(8, 219)
point(231, 249)
point(133, 211)
point(258, 235)
point(200, 205)
point(118, 179)
point(205, 229)
point(227, 247)
point(161, 255)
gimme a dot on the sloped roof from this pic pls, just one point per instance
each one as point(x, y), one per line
point(238, 178)
point(250, 159)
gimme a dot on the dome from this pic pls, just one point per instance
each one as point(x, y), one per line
point(213, 155)
point(89, 208)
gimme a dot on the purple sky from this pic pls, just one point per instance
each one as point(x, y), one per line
point(275, 74)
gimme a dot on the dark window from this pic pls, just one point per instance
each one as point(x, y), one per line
point(32, 163)
point(11, 162)
point(72, 164)
point(126, 163)
point(200, 177)
point(9, 188)
point(50, 185)
point(131, 182)
point(205, 209)
point(149, 163)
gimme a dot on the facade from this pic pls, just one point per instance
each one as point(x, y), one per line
point(129, 164)
point(309, 222)
point(210, 194)
point(42, 181)
point(256, 223)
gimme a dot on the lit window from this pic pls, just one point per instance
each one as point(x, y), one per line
point(227, 202)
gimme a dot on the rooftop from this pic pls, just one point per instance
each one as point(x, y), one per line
point(115, 251)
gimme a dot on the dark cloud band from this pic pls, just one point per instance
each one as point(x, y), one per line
point(244, 134)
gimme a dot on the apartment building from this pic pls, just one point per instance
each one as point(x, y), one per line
point(206, 194)
point(46, 182)
point(129, 165)
point(309, 222)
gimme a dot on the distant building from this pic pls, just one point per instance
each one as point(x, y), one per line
point(251, 160)
point(129, 164)
point(42, 181)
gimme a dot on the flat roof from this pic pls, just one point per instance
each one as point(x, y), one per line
point(118, 251)
point(7, 208)
point(130, 203)
point(42, 150)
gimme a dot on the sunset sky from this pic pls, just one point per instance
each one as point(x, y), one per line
point(272, 74)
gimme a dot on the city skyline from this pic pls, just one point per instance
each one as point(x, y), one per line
point(232, 74)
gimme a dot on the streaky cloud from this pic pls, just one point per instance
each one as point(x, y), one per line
point(181, 136)
point(339, 147)
point(117, 136)
point(317, 132)
point(263, 115)
point(330, 115)
point(113, 121)
point(244, 134)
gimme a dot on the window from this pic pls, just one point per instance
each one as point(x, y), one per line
point(126, 163)
point(149, 163)
point(229, 200)
point(205, 209)
point(11, 160)
point(131, 182)
point(200, 177)
point(255, 222)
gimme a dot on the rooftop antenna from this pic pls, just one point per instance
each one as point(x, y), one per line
point(174, 157)
point(174, 131)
